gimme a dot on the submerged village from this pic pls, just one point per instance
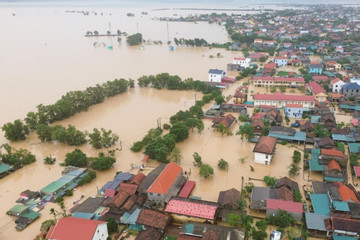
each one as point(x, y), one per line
point(291, 98)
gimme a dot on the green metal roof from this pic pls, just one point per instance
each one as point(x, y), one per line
point(4, 167)
point(189, 228)
point(299, 136)
point(18, 208)
point(314, 162)
point(315, 119)
point(83, 215)
point(354, 147)
point(341, 206)
point(31, 215)
point(53, 187)
point(336, 237)
point(321, 203)
point(333, 179)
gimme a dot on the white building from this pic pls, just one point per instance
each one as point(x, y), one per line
point(264, 150)
point(243, 62)
point(337, 85)
point(355, 80)
point(215, 75)
point(281, 61)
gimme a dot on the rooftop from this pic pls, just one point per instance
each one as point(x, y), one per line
point(316, 88)
point(216, 71)
point(187, 189)
point(195, 208)
point(230, 196)
point(283, 97)
point(321, 203)
point(166, 179)
point(288, 206)
point(333, 152)
point(153, 219)
point(315, 221)
point(71, 228)
point(347, 194)
point(265, 145)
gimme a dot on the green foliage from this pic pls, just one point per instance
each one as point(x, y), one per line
point(90, 175)
point(197, 159)
point(166, 126)
point(49, 160)
point(161, 148)
point(68, 192)
point(294, 170)
point(340, 146)
point(102, 162)
point(244, 118)
point(222, 164)
point(219, 99)
point(282, 88)
point(134, 39)
point(287, 119)
point(306, 155)
point(297, 196)
point(137, 146)
point(44, 132)
point(102, 139)
point(281, 219)
point(269, 181)
point(273, 89)
point(354, 159)
point(246, 130)
point(249, 187)
point(16, 158)
point(206, 170)
point(46, 225)
point(112, 225)
point(76, 158)
point(241, 220)
point(175, 155)
point(180, 130)
point(283, 142)
point(242, 203)
point(198, 42)
point(59, 200)
point(151, 136)
point(296, 156)
point(15, 131)
point(320, 131)
point(223, 130)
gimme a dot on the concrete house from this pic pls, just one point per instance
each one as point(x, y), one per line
point(243, 62)
point(336, 85)
point(315, 68)
point(350, 89)
point(71, 228)
point(264, 150)
point(258, 197)
point(280, 100)
point(215, 75)
point(293, 110)
point(281, 61)
point(318, 91)
point(167, 184)
point(295, 209)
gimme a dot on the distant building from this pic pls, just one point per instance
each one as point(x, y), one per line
point(295, 209)
point(263, 81)
point(293, 110)
point(215, 75)
point(71, 228)
point(315, 68)
point(336, 85)
point(318, 91)
point(280, 100)
point(351, 89)
point(243, 62)
point(264, 150)
point(281, 61)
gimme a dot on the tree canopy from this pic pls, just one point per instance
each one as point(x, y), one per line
point(134, 39)
point(76, 158)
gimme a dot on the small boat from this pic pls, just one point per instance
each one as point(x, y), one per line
point(81, 197)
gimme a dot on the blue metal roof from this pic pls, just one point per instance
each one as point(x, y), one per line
point(216, 71)
point(111, 185)
point(123, 176)
point(333, 179)
point(83, 215)
point(347, 106)
point(343, 138)
point(354, 86)
point(321, 203)
point(315, 221)
point(341, 206)
point(133, 217)
point(315, 119)
point(314, 162)
point(298, 136)
point(354, 147)
point(336, 237)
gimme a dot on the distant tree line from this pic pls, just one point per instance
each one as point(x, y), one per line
point(77, 158)
point(196, 42)
point(160, 147)
point(71, 103)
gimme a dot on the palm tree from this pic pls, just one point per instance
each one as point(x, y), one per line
point(53, 212)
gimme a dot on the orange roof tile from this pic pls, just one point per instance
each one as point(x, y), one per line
point(347, 194)
point(166, 178)
point(334, 165)
point(265, 145)
point(333, 152)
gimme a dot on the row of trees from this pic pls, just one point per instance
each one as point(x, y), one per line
point(73, 137)
point(205, 170)
point(134, 39)
point(71, 103)
point(16, 158)
point(197, 42)
point(78, 158)
point(294, 168)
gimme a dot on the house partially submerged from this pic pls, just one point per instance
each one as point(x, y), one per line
point(264, 150)
point(295, 209)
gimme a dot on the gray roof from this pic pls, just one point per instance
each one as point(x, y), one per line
point(151, 177)
point(315, 221)
point(216, 71)
point(323, 187)
point(123, 176)
point(89, 205)
point(285, 130)
point(260, 193)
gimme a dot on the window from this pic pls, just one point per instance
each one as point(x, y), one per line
point(159, 194)
point(266, 156)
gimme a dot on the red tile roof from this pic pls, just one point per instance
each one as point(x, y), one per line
point(153, 219)
point(280, 58)
point(279, 79)
point(71, 228)
point(258, 116)
point(187, 189)
point(166, 179)
point(335, 80)
point(347, 194)
point(128, 188)
point(270, 65)
point(145, 159)
point(138, 178)
point(192, 209)
point(334, 165)
point(265, 145)
point(357, 171)
point(336, 95)
point(239, 58)
point(283, 97)
point(228, 120)
point(288, 206)
point(320, 78)
point(316, 88)
point(110, 192)
point(333, 152)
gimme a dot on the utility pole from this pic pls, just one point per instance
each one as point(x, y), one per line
point(195, 98)
point(137, 27)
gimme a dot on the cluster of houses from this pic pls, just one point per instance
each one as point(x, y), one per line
point(148, 205)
